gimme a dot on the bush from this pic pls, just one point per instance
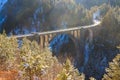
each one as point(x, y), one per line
point(69, 72)
point(8, 51)
point(36, 63)
point(113, 72)
point(33, 62)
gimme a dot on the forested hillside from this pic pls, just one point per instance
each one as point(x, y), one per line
point(24, 16)
point(93, 55)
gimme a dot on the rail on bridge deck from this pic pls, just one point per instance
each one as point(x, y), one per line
point(43, 38)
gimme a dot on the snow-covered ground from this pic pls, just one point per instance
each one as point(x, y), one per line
point(2, 2)
point(2, 18)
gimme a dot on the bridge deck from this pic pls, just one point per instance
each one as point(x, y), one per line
point(60, 31)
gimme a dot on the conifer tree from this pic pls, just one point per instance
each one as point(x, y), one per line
point(113, 72)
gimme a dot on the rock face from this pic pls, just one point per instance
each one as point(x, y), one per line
point(98, 59)
point(63, 45)
point(91, 59)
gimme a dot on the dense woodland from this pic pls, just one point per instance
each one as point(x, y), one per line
point(44, 15)
point(31, 62)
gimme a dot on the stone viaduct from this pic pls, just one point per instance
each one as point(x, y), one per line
point(80, 32)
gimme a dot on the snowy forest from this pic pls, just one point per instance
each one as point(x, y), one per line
point(95, 55)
